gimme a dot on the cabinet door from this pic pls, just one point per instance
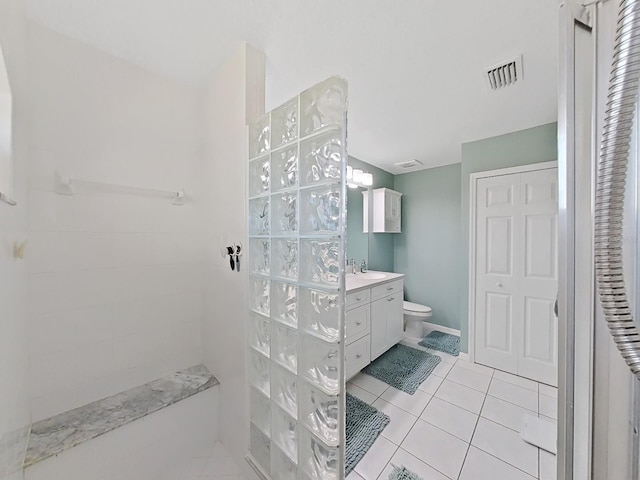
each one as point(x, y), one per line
point(395, 319)
point(378, 327)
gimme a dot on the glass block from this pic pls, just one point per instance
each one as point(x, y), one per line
point(317, 460)
point(319, 412)
point(285, 303)
point(323, 104)
point(259, 136)
point(284, 213)
point(284, 433)
point(259, 255)
point(259, 216)
point(282, 468)
point(284, 257)
point(260, 333)
point(260, 448)
point(260, 411)
point(318, 363)
point(320, 261)
point(259, 372)
point(284, 344)
point(284, 168)
point(321, 158)
point(320, 210)
point(259, 295)
point(284, 391)
point(319, 313)
point(284, 123)
point(259, 176)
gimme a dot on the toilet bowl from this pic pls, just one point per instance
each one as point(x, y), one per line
point(414, 317)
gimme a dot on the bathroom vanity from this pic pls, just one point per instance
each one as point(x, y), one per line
point(374, 317)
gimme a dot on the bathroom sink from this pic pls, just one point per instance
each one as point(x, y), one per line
point(372, 275)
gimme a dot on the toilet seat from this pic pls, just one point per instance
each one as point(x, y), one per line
point(411, 307)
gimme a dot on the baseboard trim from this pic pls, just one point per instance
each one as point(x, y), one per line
point(440, 328)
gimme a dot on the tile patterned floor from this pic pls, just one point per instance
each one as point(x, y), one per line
point(462, 424)
point(212, 463)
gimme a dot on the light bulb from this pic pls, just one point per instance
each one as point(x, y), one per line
point(349, 173)
point(352, 185)
point(367, 179)
point(357, 175)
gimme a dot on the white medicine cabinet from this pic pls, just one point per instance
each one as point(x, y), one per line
point(387, 209)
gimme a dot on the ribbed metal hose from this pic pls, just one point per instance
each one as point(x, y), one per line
point(610, 190)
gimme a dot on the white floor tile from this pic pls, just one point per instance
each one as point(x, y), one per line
point(504, 413)
point(524, 397)
point(369, 383)
point(516, 380)
point(354, 476)
point(548, 406)
point(482, 466)
point(507, 445)
point(376, 459)
point(461, 396)
point(470, 379)
point(548, 466)
point(442, 369)
point(475, 367)
point(440, 450)
point(403, 458)
point(361, 393)
point(450, 418)
point(547, 390)
point(414, 404)
point(400, 424)
point(431, 384)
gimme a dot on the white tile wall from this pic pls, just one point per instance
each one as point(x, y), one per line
point(115, 280)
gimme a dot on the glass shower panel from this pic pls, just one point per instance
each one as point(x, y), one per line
point(297, 228)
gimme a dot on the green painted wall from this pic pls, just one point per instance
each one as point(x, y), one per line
point(376, 248)
point(534, 145)
point(428, 249)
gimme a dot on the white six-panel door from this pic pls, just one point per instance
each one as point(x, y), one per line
point(516, 277)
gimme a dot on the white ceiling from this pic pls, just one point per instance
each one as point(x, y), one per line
point(414, 66)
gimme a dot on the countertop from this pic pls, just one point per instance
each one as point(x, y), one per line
point(360, 281)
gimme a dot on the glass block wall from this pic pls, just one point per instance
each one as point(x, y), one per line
point(297, 228)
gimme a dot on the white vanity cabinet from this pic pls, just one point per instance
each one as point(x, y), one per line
point(373, 322)
point(387, 211)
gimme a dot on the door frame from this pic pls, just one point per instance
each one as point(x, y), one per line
point(474, 177)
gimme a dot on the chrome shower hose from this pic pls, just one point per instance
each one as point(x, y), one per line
point(611, 178)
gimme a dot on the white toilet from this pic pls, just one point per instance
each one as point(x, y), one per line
point(414, 317)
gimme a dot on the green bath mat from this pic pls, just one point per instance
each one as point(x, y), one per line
point(443, 342)
point(403, 367)
point(364, 424)
point(402, 473)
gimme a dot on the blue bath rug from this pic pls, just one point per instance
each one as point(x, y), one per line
point(364, 424)
point(403, 367)
point(443, 342)
point(403, 473)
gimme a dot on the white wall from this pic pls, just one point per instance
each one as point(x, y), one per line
point(235, 96)
point(14, 396)
point(115, 280)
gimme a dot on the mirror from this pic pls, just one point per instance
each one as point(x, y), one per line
point(375, 248)
point(6, 181)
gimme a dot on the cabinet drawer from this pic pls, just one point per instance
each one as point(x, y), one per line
point(385, 289)
point(357, 356)
point(357, 323)
point(356, 299)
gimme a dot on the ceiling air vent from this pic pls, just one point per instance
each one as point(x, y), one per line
point(409, 164)
point(504, 74)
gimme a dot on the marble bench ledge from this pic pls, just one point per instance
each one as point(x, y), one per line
point(61, 432)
